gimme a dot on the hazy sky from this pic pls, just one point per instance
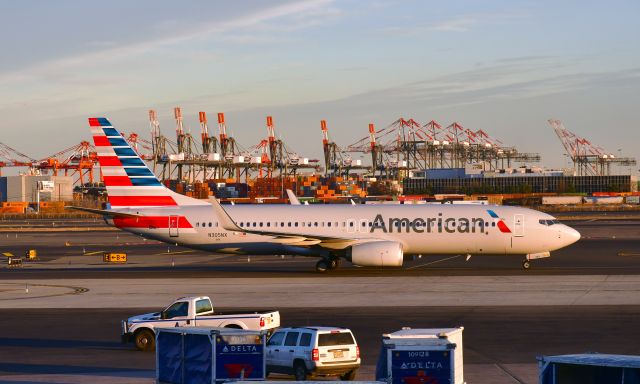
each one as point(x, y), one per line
point(502, 66)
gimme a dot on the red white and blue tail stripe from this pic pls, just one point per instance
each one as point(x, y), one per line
point(129, 182)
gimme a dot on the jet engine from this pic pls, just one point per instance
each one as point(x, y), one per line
point(376, 254)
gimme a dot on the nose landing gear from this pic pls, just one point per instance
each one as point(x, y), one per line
point(526, 263)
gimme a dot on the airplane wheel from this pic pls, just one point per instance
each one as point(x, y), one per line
point(526, 264)
point(334, 264)
point(322, 266)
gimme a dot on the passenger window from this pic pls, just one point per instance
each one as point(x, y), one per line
point(209, 224)
point(216, 223)
point(303, 223)
point(328, 224)
point(276, 339)
point(296, 223)
point(305, 340)
point(176, 310)
point(242, 225)
point(197, 225)
point(268, 223)
point(203, 306)
point(289, 224)
point(261, 223)
point(315, 224)
point(254, 224)
point(282, 223)
point(292, 338)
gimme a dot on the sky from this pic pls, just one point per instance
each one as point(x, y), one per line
point(502, 66)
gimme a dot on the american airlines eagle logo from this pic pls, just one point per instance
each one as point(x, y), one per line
point(500, 223)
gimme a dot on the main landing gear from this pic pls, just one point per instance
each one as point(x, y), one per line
point(526, 264)
point(328, 264)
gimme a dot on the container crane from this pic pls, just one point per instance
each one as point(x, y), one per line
point(588, 159)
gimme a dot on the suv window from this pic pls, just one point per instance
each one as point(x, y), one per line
point(203, 306)
point(305, 340)
point(341, 338)
point(276, 339)
point(177, 309)
point(291, 339)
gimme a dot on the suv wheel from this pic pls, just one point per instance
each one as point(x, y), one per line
point(299, 371)
point(349, 376)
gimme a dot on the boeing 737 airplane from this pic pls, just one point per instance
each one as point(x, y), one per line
point(366, 235)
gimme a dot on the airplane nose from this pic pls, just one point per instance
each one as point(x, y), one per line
point(570, 235)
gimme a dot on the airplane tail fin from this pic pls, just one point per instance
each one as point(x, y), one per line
point(129, 182)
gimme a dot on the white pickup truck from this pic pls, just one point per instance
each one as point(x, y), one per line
point(192, 312)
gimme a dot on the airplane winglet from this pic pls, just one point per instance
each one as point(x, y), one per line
point(293, 199)
point(225, 220)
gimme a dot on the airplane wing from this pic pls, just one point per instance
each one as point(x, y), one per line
point(331, 242)
point(103, 212)
point(293, 199)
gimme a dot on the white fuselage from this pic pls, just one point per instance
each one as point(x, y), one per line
point(420, 229)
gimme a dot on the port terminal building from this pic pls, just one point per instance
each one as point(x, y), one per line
point(519, 180)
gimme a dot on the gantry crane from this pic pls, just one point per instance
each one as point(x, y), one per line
point(588, 159)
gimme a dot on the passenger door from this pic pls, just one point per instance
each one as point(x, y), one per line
point(173, 226)
point(518, 225)
point(274, 349)
point(177, 315)
point(289, 348)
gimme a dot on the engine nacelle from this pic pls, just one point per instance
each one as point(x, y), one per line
point(376, 254)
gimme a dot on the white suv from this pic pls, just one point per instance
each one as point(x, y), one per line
point(313, 351)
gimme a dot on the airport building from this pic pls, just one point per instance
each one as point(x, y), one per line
point(24, 188)
point(522, 181)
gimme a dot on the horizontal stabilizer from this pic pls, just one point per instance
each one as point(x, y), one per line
point(103, 212)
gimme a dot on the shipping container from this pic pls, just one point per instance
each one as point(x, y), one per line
point(561, 200)
point(602, 200)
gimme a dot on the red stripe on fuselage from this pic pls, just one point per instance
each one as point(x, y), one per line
point(109, 161)
point(117, 181)
point(150, 222)
point(141, 201)
point(101, 141)
point(503, 227)
point(93, 122)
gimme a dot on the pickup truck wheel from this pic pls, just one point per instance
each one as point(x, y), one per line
point(299, 371)
point(349, 376)
point(145, 340)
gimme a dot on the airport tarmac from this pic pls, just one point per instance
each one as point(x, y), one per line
point(59, 317)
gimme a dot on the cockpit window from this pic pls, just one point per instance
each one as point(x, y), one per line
point(549, 222)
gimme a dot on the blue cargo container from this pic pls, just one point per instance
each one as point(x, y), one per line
point(589, 368)
point(421, 356)
point(209, 355)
